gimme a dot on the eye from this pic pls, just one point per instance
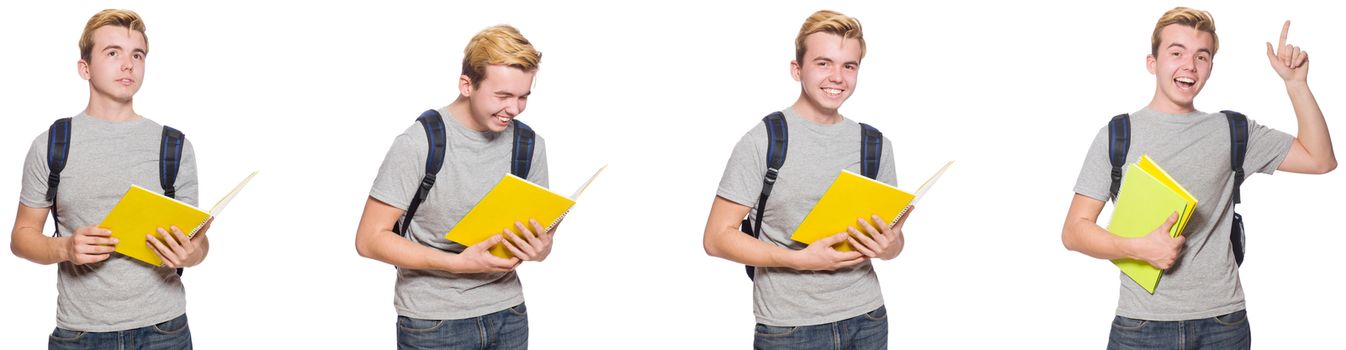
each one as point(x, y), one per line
point(138, 56)
point(852, 67)
point(112, 54)
point(1203, 58)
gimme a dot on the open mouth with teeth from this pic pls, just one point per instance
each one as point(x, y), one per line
point(1185, 82)
point(502, 120)
point(832, 91)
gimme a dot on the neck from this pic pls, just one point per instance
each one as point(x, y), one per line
point(1162, 104)
point(462, 112)
point(814, 113)
point(103, 108)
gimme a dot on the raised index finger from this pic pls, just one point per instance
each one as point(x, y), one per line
point(1285, 32)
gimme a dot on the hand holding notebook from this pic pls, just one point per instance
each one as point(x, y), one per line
point(851, 198)
point(1148, 197)
point(513, 200)
point(141, 213)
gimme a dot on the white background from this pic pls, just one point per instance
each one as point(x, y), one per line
point(312, 95)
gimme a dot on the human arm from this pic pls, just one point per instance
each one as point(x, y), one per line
point(87, 245)
point(374, 239)
point(1311, 151)
point(723, 239)
point(1081, 233)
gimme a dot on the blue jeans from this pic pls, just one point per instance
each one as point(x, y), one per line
point(868, 331)
point(504, 329)
point(172, 334)
point(1229, 331)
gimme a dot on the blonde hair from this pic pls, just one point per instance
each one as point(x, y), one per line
point(498, 45)
point(111, 17)
point(1196, 19)
point(831, 22)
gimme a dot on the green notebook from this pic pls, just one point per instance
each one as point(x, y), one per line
point(1147, 197)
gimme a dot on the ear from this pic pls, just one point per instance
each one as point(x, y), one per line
point(83, 67)
point(465, 85)
point(1150, 63)
point(794, 69)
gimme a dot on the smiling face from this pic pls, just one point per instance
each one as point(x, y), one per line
point(827, 73)
point(501, 95)
point(116, 65)
point(1181, 64)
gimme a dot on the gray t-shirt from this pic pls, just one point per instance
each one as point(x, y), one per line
point(1194, 150)
point(473, 163)
point(105, 159)
point(816, 154)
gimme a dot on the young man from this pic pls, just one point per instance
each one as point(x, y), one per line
point(105, 300)
point(449, 296)
point(808, 296)
point(1199, 303)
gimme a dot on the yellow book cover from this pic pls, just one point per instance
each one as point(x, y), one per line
point(853, 196)
point(850, 197)
point(1154, 170)
point(512, 200)
point(141, 211)
point(1147, 197)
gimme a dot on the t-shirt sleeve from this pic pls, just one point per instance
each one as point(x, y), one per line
point(33, 192)
point(400, 175)
point(887, 169)
point(1095, 180)
point(742, 179)
point(1267, 148)
point(537, 172)
point(187, 188)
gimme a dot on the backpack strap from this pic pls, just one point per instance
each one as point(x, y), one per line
point(1119, 142)
point(871, 150)
point(521, 155)
point(434, 160)
point(170, 159)
point(1238, 147)
point(1238, 150)
point(58, 151)
point(171, 142)
point(778, 141)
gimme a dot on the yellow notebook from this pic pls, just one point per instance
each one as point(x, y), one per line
point(141, 211)
point(513, 200)
point(1147, 197)
point(852, 196)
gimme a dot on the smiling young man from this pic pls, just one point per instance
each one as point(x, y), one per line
point(1199, 303)
point(105, 300)
point(449, 296)
point(808, 296)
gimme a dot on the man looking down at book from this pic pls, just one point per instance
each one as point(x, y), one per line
point(1199, 302)
point(105, 300)
point(450, 296)
point(809, 296)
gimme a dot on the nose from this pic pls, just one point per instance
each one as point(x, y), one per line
point(514, 107)
point(834, 74)
point(1189, 63)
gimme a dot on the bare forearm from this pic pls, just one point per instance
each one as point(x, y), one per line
point(734, 245)
point(1313, 133)
point(398, 251)
point(29, 243)
point(1088, 238)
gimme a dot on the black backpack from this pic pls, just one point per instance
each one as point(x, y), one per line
point(778, 140)
point(1119, 142)
point(521, 159)
point(58, 151)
